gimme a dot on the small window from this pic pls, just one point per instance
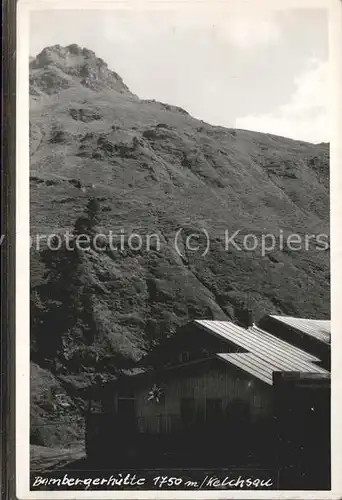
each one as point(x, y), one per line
point(184, 357)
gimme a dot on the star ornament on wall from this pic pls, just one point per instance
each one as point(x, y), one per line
point(155, 394)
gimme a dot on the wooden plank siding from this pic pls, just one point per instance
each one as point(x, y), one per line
point(202, 381)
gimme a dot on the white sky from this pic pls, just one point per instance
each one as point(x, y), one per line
point(262, 70)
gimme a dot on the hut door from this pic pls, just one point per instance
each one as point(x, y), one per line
point(187, 411)
point(213, 410)
point(126, 410)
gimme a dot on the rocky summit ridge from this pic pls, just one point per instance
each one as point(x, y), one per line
point(56, 68)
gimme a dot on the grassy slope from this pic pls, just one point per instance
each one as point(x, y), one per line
point(155, 169)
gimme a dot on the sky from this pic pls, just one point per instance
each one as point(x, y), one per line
point(263, 70)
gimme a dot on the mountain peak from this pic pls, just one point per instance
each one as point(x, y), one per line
point(57, 67)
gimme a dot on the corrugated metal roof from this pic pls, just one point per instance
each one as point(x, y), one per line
point(263, 369)
point(264, 354)
point(255, 340)
point(318, 328)
point(249, 363)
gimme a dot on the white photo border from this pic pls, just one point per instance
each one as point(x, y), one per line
point(22, 335)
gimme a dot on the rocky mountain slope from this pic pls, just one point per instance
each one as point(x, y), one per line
point(155, 169)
